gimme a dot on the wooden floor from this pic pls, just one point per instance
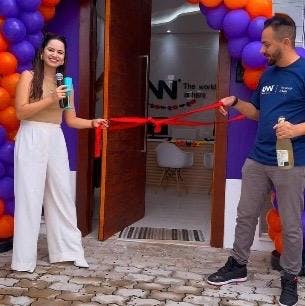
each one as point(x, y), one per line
point(197, 179)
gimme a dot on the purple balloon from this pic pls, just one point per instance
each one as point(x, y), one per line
point(274, 203)
point(236, 46)
point(203, 8)
point(215, 17)
point(8, 8)
point(14, 30)
point(33, 21)
point(35, 39)
point(2, 170)
point(256, 28)
point(23, 51)
point(300, 51)
point(6, 188)
point(2, 135)
point(7, 152)
point(9, 207)
point(235, 23)
point(25, 66)
point(28, 5)
point(251, 56)
point(10, 171)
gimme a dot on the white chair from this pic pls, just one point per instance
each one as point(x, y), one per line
point(173, 159)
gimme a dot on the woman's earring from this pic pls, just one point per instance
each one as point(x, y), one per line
point(41, 57)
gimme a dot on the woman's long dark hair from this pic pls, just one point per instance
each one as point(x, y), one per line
point(38, 66)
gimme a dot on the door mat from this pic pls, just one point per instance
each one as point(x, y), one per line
point(161, 234)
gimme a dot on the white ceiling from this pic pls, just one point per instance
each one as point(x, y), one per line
point(185, 23)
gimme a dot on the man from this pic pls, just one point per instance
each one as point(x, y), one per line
point(281, 92)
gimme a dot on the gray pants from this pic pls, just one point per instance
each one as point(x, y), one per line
point(257, 182)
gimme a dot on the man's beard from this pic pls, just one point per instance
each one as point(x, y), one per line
point(273, 59)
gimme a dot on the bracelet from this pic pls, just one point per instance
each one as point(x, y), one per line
point(92, 124)
point(235, 101)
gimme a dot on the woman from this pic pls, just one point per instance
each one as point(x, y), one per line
point(42, 175)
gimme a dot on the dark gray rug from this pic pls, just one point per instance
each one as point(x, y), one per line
point(161, 234)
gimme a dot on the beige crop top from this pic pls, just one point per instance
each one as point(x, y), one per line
point(50, 114)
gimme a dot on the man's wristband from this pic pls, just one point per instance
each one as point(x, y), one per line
point(235, 101)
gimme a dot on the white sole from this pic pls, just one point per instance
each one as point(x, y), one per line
point(286, 305)
point(235, 280)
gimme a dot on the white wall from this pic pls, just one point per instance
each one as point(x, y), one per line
point(295, 9)
point(192, 58)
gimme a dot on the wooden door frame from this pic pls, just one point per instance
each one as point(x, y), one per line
point(220, 148)
point(84, 183)
point(85, 141)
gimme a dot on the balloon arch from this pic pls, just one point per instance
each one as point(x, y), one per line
point(242, 22)
point(21, 25)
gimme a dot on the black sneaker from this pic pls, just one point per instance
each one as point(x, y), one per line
point(289, 295)
point(231, 272)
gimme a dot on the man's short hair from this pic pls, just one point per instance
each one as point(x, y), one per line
point(283, 26)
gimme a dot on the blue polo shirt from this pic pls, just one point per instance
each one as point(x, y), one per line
point(281, 92)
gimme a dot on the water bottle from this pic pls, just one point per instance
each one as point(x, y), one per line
point(284, 151)
point(69, 83)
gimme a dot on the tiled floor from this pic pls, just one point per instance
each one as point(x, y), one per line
point(165, 208)
point(129, 273)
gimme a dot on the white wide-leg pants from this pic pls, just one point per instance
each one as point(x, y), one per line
point(42, 177)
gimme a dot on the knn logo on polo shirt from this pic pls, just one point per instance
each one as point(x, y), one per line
point(268, 89)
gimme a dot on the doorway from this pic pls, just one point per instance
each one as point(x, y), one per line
point(99, 22)
point(183, 76)
point(116, 210)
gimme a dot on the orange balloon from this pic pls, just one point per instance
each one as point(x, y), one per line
point(235, 4)
point(193, 1)
point(50, 2)
point(12, 134)
point(252, 77)
point(8, 118)
point(9, 82)
point(278, 243)
point(48, 12)
point(271, 233)
point(3, 43)
point(2, 207)
point(273, 220)
point(271, 213)
point(257, 8)
point(5, 99)
point(8, 63)
point(6, 226)
point(211, 3)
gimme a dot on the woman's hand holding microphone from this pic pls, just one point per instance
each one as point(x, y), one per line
point(59, 93)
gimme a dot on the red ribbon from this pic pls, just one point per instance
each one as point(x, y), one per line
point(121, 123)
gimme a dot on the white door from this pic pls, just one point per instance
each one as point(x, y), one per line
point(261, 242)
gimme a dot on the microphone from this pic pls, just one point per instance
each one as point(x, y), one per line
point(60, 81)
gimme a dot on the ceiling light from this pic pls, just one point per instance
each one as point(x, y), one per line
point(184, 9)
